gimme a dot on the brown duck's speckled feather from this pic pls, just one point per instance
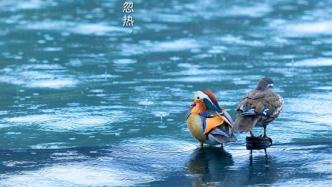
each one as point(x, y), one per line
point(258, 100)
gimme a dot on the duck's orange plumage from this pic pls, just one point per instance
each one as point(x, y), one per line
point(213, 122)
point(198, 107)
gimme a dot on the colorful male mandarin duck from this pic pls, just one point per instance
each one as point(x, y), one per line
point(207, 121)
point(258, 108)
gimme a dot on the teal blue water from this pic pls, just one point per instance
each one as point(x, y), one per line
point(85, 102)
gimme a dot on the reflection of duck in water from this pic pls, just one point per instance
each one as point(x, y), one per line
point(207, 121)
point(213, 166)
point(209, 165)
point(262, 171)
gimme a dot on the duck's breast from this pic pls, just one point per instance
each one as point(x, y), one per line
point(195, 125)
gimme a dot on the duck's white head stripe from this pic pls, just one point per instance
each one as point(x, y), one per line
point(202, 95)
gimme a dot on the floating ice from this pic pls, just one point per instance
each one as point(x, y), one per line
point(145, 102)
point(69, 119)
point(94, 28)
point(309, 28)
point(42, 118)
point(49, 25)
point(32, 4)
point(72, 27)
point(97, 91)
point(124, 61)
point(101, 77)
point(52, 83)
point(159, 46)
point(38, 76)
point(311, 110)
point(313, 62)
point(53, 145)
point(77, 174)
point(160, 146)
point(329, 88)
point(195, 71)
point(60, 122)
point(25, 4)
point(52, 49)
point(238, 40)
point(181, 44)
point(322, 166)
point(160, 114)
point(257, 10)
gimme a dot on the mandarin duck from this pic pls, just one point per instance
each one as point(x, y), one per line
point(207, 121)
point(258, 108)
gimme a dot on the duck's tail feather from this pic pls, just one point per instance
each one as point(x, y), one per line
point(222, 135)
point(246, 117)
point(245, 123)
point(246, 110)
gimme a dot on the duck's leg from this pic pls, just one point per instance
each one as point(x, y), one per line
point(201, 145)
point(264, 130)
point(266, 156)
point(251, 134)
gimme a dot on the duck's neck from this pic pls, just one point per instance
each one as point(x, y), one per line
point(199, 108)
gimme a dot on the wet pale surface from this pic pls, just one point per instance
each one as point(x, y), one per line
point(84, 102)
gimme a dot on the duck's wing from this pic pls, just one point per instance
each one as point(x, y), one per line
point(219, 128)
point(272, 103)
point(215, 119)
point(250, 105)
point(222, 134)
point(228, 117)
point(248, 111)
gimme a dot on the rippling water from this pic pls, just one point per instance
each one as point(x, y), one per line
point(85, 102)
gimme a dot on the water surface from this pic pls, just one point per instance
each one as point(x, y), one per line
point(84, 102)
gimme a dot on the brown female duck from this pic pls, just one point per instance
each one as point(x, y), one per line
point(259, 107)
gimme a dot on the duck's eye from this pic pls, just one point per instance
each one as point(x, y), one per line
point(197, 98)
